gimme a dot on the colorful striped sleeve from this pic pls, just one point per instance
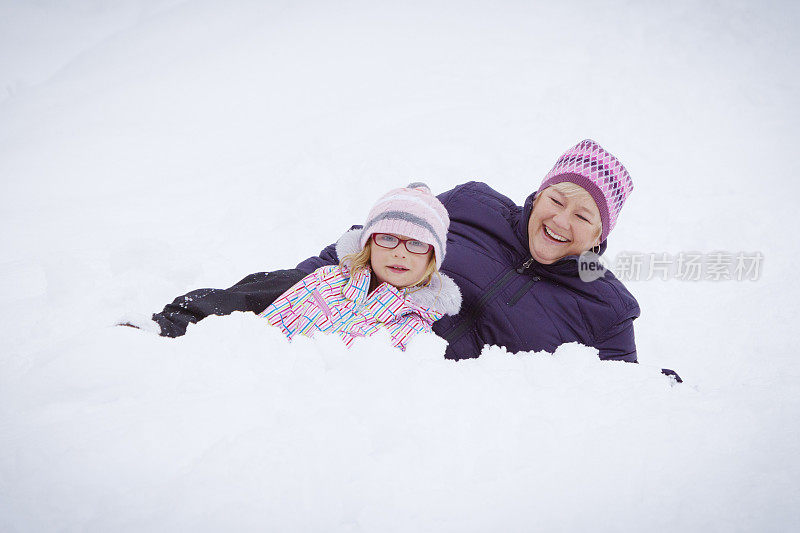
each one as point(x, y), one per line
point(285, 311)
point(405, 327)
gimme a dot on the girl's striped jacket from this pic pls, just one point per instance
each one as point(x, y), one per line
point(332, 300)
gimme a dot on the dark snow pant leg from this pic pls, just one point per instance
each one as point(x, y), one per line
point(254, 293)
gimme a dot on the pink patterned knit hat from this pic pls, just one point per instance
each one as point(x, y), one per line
point(587, 164)
point(412, 211)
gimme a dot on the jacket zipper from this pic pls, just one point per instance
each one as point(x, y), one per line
point(525, 288)
point(525, 265)
point(321, 303)
point(473, 315)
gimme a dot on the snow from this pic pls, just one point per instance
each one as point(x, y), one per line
point(148, 148)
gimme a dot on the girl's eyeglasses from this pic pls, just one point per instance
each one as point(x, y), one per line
point(387, 240)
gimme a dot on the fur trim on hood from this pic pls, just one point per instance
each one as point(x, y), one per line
point(441, 294)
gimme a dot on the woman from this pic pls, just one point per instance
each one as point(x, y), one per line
point(517, 267)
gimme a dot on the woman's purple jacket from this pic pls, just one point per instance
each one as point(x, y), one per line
point(506, 303)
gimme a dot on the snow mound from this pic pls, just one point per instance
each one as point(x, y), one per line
point(234, 426)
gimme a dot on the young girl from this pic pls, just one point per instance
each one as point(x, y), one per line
point(387, 278)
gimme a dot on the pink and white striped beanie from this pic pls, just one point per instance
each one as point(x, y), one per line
point(412, 211)
point(587, 164)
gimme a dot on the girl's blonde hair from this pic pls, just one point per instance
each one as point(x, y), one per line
point(360, 260)
point(571, 190)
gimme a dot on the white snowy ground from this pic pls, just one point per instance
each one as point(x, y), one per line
point(152, 147)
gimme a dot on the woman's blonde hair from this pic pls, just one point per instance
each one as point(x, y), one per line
point(360, 260)
point(571, 190)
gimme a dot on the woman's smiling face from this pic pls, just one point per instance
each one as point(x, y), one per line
point(562, 225)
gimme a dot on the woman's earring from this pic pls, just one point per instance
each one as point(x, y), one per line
point(596, 249)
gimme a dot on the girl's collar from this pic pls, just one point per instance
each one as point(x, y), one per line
point(357, 288)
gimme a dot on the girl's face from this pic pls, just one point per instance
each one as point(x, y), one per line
point(560, 226)
point(397, 266)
